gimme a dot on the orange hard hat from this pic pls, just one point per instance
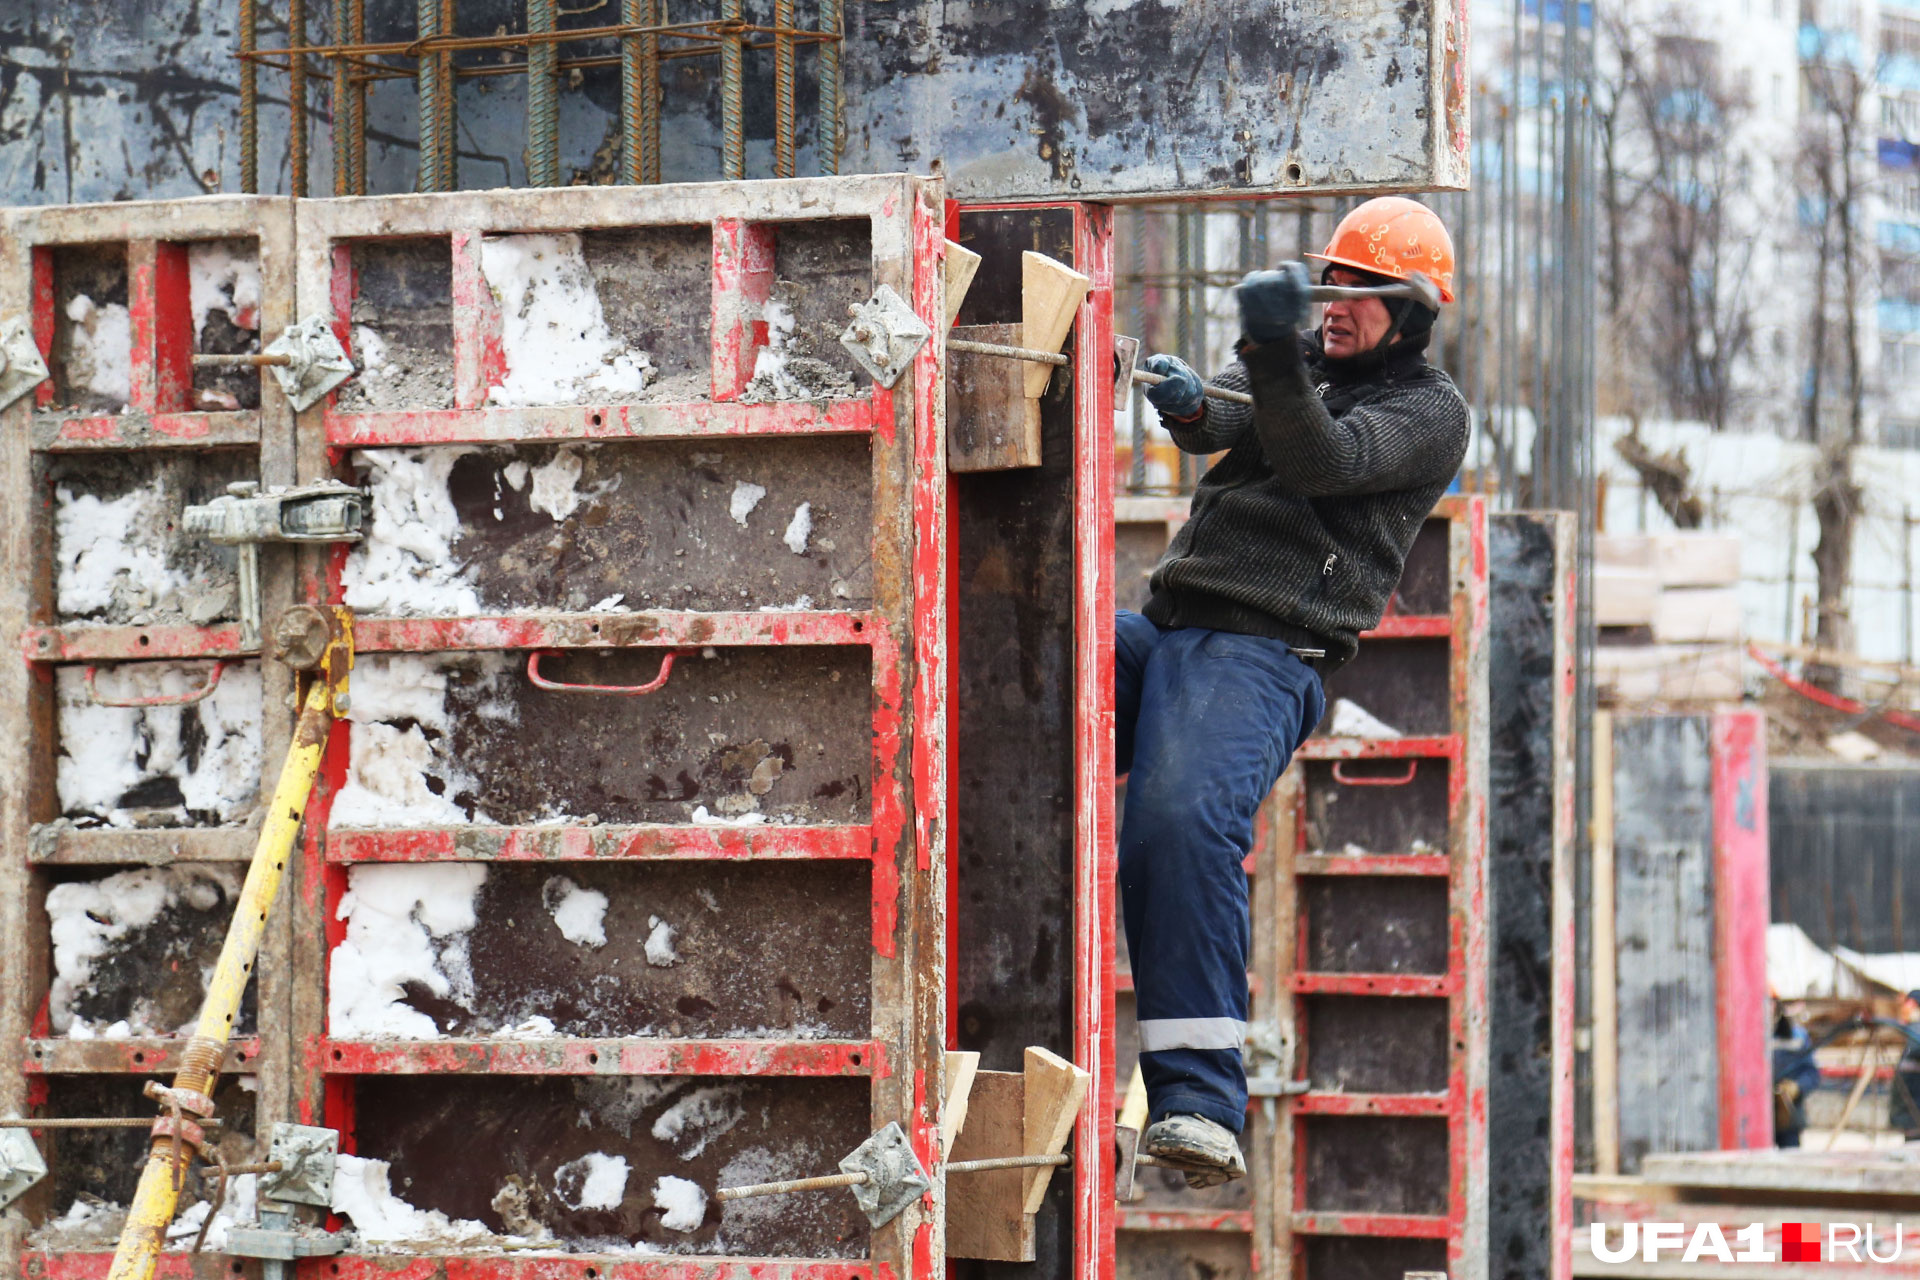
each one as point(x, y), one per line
point(1394, 236)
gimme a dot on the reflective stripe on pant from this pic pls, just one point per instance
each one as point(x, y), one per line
point(1204, 723)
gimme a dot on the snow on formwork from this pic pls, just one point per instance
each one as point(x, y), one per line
point(91, 920)
point(158, 766)
point(404, 564)
point(580, 914)
point(401, 770)
point(406, 923)
point(682, 1203)
point(594, 1181)
point(799, 529)
point(746, 496)
point(240, 1208)
point(223, 275)
point(100, 355)
point(112, 552)
point(779, 373)
point(698, 1117)
point(363, 1195)
point(555, 489)
point(660, 952)
point(554, 335)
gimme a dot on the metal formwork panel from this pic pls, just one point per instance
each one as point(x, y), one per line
point(1380, 923)
point(782, 784)
point(127, 431)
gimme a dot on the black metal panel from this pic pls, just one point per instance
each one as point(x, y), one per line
point(1375, 1164)
point(1844, 843)
point(1376, 924)
point(1376, 1044)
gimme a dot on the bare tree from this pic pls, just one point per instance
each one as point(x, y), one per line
point(1833, 131)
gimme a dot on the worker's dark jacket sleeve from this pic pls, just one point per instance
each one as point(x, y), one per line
point(1301, 530)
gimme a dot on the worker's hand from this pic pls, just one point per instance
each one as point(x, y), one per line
point(1180, 396)
point(1274, 303)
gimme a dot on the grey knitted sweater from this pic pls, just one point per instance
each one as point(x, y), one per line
point(1300, 532)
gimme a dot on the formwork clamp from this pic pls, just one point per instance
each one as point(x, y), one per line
point(885, 335)
point(21, 366)
point(314, 361)
point(244, 517)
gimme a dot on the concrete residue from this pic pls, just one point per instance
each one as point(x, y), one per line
point(699, 1117)
point(406, 923)
point(799, 529)
point(223, 275)
point(683, 1204)
point(746, 496)
point(197, 764)
point(555, 484)
point(361, 1193)
point(111, 560)
point(779, 373)
point(660, 952)
point(553, 333)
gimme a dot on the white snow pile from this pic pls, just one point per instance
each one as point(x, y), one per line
point(89, 917)
point(581, 914)
point(404, 563)
point(660, 952)
point(100, 351)
point(105, 752)
point(361, 1193)
point(555, 485)
point(112, 552)
point(799, 529)
point(553, 333)
point(698, 1117)
point(703, 818)
point(746, 496)
point(238, 1209)
point(223, 275)
point(400, 769)
point(1351, 720)
point(594, 1181)
point(682, 1203)
point(406, 922)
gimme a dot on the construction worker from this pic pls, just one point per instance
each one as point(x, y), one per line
point(1296, 540)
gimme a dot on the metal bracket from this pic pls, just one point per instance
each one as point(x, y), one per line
point(244, 517)
point(21, 1164)
point(885, 335)
point(279, 1239)
point(306, 1156)
point(21, 368)
point(894, 1176)
point(316, 362)
point(1275, 1087)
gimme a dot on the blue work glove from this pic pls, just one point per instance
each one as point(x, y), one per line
point(1180, 396)
point(1274, 303)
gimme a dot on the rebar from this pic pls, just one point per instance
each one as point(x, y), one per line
point(357, 101)
point(543, 99)
point(829, 128)
point(297, 99)
point(340, 105)
point(427, 73)
point(449, 103)
point(639, 94)
point(733, 122)
point(249, 100)
point(783, 125)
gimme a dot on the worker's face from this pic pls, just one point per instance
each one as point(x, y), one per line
point(1350, 327)
point(1909, 1011)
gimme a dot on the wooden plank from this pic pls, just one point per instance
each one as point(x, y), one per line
point(1133, 1112)
point(992, 424)
point(1050, 296)
point(1056, 1090)
point(986, 1214)
point(1604, 976)
point(961, 1069)
point(958, 267)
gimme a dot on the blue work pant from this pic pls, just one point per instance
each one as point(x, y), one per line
point(1204, 723)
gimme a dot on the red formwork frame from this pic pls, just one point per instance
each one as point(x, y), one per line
point(904, 839)
point(1094, 852)
point(1464, 984)
point(159, 418)
point(1738, 756)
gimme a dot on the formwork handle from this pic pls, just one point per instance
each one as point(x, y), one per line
point(1374, 780)
point(618, 690)
point(188, 698)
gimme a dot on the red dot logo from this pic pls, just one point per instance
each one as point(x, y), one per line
point(1800, 1242)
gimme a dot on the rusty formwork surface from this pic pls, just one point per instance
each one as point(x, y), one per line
point(782, 786)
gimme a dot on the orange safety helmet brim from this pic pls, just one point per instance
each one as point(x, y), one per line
point(1393, 236)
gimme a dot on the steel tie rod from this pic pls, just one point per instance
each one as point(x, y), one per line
point(859, 1179)
point(1060, 361)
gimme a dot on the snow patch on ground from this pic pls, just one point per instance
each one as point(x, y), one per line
point(100, 358)
point(746, 496)
point(87, 917)
point(361, 1192)
point(219, 278)
point(401, 771)
point(404, 565)
point(406, 922)
point(660, 952)
point(683, 1204)
point(594, 1181)
point(580, 913)
point(799, 529)
point(698, 1118)
point(210, 749)
point(553, 333)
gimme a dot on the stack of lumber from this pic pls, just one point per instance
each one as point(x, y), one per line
point(1668, 608)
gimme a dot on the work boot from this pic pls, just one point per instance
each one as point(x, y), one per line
point(1206, 1152)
